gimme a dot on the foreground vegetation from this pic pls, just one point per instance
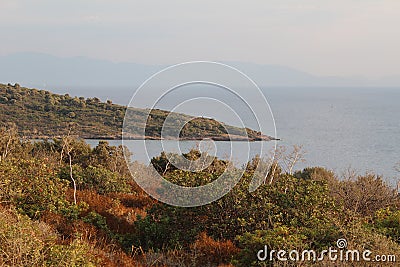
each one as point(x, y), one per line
point(114, 223)
point(42, 114)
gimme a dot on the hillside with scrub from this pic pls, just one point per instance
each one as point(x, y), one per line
point(40, 114)
point(110, 221)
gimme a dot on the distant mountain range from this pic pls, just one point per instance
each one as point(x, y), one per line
point(43, 70)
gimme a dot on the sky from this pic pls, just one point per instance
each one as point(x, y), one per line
point(322, 37)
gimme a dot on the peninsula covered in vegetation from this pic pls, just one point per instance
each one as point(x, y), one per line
point(40, 114)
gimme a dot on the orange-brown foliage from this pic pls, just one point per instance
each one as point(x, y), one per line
point(107, 251)
point(138, 200)
point(209, 250)
point(119, 217)
point(204, 252)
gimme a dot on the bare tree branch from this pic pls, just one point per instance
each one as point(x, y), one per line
point(68, 148)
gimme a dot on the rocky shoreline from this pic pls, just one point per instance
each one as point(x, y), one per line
point(214, 138)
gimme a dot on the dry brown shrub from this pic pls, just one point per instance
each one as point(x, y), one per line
point(119, 218)
point(102, 247)
point(60, 224)
point(365, 194)
point(137, 200)
point(124, 206)
point(209, 250)
point(217, 255)
point(95, 201)
point(204, 252)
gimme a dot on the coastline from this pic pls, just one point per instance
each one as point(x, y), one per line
point(119, 137)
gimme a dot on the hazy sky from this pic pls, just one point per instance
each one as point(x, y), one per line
point(337, 37)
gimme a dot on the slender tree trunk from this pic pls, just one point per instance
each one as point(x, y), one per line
point(72, 177)
point(293, 163)
point(166, 168)
point(5, 153)
point(271, 180)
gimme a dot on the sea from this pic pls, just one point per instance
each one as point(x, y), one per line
point(340, 129)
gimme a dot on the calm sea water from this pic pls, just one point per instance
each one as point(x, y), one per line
point(341, 128)
point(337, 127)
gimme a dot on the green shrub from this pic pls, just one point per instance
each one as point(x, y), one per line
point(387, 222)
point(25, 242)
point(97, 220)
point(75, 254)
point(99, 179)
point(290, 202)
point(32, 186)
point(280, 237)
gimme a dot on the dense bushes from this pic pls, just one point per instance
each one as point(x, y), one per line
point(25, 242)
point(32, 186)
point(387, 222)
point(114, 223)
point(311, 209)
point(35, 191)
point(43, 114)
point(293, 212)
point(99, 179)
